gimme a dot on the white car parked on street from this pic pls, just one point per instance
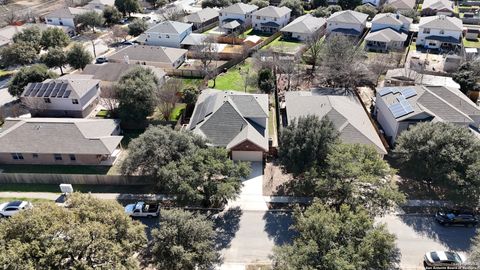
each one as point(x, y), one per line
point(9, 209)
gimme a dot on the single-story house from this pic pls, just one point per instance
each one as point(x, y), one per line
point(347, 22)
point(402, 5)
point(406, 76)
point(110, 73)
point(440, 32)
point(7, 32)
point(438, 7)
point(68, 96)
point(202, 18)
point(59, 141)
point(166, 33)
point(234, 120)
point(239, 12)
point(156, 56)
point(385, 40)
point(64, 16)
point(303, 27)
point(271, 19)
point(397, 108)
point(346, 112)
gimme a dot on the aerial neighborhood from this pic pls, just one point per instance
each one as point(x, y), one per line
point(227, 134)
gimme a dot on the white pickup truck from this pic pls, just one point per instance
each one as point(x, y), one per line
point(142, 209)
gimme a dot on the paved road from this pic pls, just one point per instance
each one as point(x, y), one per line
point(417, 235)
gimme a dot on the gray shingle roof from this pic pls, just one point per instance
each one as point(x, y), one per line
point(149, 53)
point(66, 87)
point(441, 22)
point(112, 72)
point(239, 8)
point(66, 12)
point(271, 11)
point(346, 113)
point(391, 19)
point(170, 27)
point(59, 136)
point(203, 15)
point(348, 16)
point(402, 4)
point(386, 35)
point(306, 24)
point(226, 118)
point(438, 5)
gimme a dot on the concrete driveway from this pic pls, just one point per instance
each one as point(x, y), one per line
point(417, 234)
point(251, 197)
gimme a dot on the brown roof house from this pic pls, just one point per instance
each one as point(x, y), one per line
point(234, 120)
point(61, 141)
point(68, 96)
point(156, 56)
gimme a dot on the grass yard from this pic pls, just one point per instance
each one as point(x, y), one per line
point(5, 73)
point(251, 32)
point(413, 46)
point(282, 45)
point(471, 43)
point(54, 188)
point(177, 111)
point(191, 82)
point(232, 79)
point(103, 114)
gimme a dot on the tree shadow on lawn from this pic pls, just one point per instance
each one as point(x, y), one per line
point(277, 226)
point(454, 238)
point(226, 225)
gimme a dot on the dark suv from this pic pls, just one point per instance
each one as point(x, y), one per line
point(456, 218)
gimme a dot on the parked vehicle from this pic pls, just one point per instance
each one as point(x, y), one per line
point(456, 218)
point(142, 209)
point(127, 42)
point(11, 208)
point(101, 60)
point(448, 259)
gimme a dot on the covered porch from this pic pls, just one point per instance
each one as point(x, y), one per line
point(442, 43)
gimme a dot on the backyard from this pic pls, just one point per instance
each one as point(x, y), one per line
point(284, 46)
point(471, 43)
point(233, 80)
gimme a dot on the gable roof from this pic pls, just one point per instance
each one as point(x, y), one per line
point(443, 103)
point(194, 39)
point(112, 72)
point(59, 136)
point(66, 12)
point(405, 74)
point(346, 113)
point(203, 15)
point(149, 53)
point(227, 118)
point(386, 35)
point(271, 11)
point(170, 27)
point(391, 19)
point(348, 16)
point(441, 22)
point(438, 5)
point(63, 87)
point(402, 4)
point(239, 8)
point(306, 24)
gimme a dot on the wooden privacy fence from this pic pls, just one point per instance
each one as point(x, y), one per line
point(75, 179)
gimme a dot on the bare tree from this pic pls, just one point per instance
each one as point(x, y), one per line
point(207, 52)
point(108, 98)
point(11, 17)
point(380, 64)
point(168, 96)
point(289, 68)
point(35, 105)
point(171, 14)
point(314, 45)
point(119, 33)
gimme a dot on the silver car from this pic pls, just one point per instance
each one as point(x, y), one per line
point(443, 258)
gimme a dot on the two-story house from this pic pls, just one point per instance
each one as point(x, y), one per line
point(402, 5)
point(438, 7)
point(202, 18)
point(167, 34)
point(440, 32)
point(64, 16)
point(348, 23)
point(303, 27)
point(67, 96)
point(239, 12)
point(388, 32)
point(271, 19)
point(99, 4)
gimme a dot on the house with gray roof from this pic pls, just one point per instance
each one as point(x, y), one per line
point(402, 5)
point(166, 33)
point(110, 73)
point(68, 96)
point(202, 18)
point(346, 112)
point(347, 22)
point(59, 141)
point(440, 32)
point(239, 12)
point(406, 76)
point(394, 21)
point(157, 56)
point(303, 27)
point(438, 7)
point(397, 108)
point(64, 16)
point(234, 120)
point(385, 40)
point(271, 19)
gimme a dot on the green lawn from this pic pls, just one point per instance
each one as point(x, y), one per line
point(4, 73)
point(251, 32)
point(191, 82)
point(413, 46)
point(471, 43)
point(177, 111)
point(232, 79)
point(54, 188)
point(103, 114)
point(282, 45)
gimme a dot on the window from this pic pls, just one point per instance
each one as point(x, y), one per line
point(57, 156)
point(73, 157)
point(258, 17)
point(167, 36)
point(220, 14)
point(34, 155)
point(159, 36)
point(275, 19)
point(49, 20)
point(426, 31)
point(47, 100)
point(17, 156)
point(74, 101)
point(442, 32)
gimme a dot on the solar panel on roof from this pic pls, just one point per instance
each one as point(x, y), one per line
point(64, 86)
point(406, 106)
point(61, 92)
point(49, 91)
point(55, 91)
point(36, 89)
point(385, 91)
point(67, 94)
point(409, 92)
point(401, 98)
point(29, 89)
point(397, 110)
point(43, 89)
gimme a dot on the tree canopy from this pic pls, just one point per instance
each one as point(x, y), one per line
point(259, 3)
point(349, 4)
point(184, 241)
point(443, 155)
point(87, 233)
point(127, 6)
point(305, 143)
point(78, 57)
point(20, 53)
point(54, 37)
point(136, 27)
point(467, 76)
point(26, 75)
point(367, 9)
point(90, 19)
point(347, 239)
point(30, 35)
point(218, 3)
point(295, 5)
point(55, 58)
point(111, 15)
point(266, 81)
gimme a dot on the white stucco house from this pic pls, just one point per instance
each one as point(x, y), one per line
point(304, 27)
point(167, 34)
point(347, 22)
point(440, 32)
point(271, 19)
point(397, 108)
point(64, 16)
point(240, 12)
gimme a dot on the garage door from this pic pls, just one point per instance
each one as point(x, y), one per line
point(247, 155)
